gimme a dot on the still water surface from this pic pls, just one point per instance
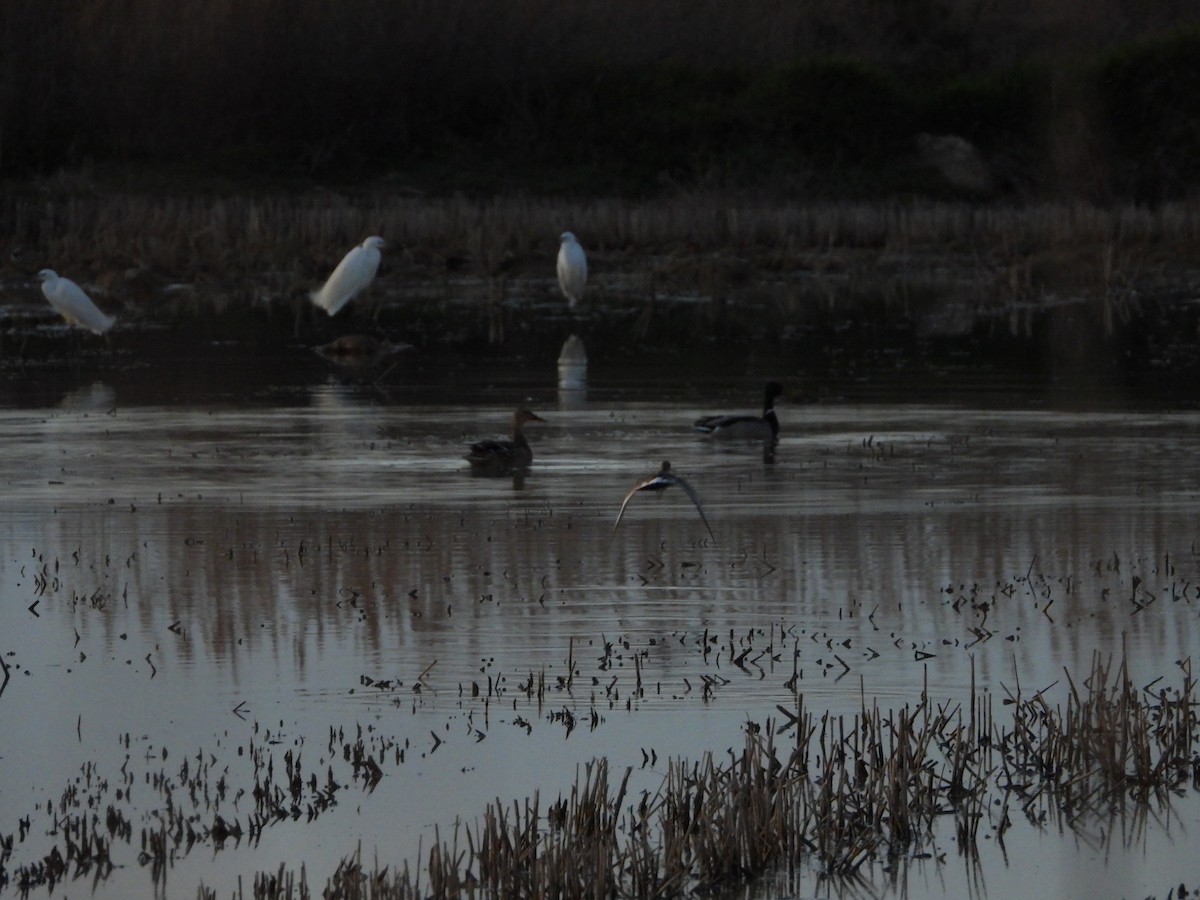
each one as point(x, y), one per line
point(202, 579)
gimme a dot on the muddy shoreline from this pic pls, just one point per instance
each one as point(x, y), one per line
point(865, 342)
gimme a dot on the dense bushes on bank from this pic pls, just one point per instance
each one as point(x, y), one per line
point(600, 97)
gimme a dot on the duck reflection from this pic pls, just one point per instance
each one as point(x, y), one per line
point(359, 354)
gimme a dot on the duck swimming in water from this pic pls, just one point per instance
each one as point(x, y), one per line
point(746, 427)
point(659, 483)
point(498, 457)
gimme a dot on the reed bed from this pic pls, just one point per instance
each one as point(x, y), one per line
point(462, 272)
point(222, 239)
point(833, 794)
point(807, 281)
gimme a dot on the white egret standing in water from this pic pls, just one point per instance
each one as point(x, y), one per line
point(356, 270)
point(73, 304)
point(572, 269)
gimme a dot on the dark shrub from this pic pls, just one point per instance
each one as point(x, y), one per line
point(833, 111)
point(1150, 109)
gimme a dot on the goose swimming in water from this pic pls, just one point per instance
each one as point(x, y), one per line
point(658, 483)
point(498, 457)
point(746, 427)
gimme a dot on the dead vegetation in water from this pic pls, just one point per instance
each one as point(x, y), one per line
point(193, 803)
point(872, 790)
point(827, 793)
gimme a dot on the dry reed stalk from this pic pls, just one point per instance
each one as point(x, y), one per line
point(238, 236)
point(1108, 746)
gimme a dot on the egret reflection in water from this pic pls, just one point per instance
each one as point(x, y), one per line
point(572, 269)
point(97, 396)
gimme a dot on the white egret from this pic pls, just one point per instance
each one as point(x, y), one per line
point(660, 482)
point(73, 304)
point(572, 269)
point(746, 427)
point(352, 275)
point(496, 457)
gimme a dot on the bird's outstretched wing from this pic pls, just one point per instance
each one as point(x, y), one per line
point(691, 492)
point(661, 482)
point(654, 481)
point(709, 424)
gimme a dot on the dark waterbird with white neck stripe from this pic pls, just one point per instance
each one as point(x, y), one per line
point(745, 427)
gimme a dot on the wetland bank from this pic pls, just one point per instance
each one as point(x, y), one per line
point(833, 289)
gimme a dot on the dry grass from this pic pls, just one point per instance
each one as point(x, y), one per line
point(771, 269)
point(233, 239)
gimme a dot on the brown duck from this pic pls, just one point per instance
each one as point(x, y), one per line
point(499, 457)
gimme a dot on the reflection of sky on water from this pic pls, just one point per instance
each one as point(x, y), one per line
point(273, 556)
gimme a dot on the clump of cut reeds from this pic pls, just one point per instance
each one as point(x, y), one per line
point(841, 794)
point(1111, 742)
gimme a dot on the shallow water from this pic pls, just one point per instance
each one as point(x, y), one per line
point(215, 576)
